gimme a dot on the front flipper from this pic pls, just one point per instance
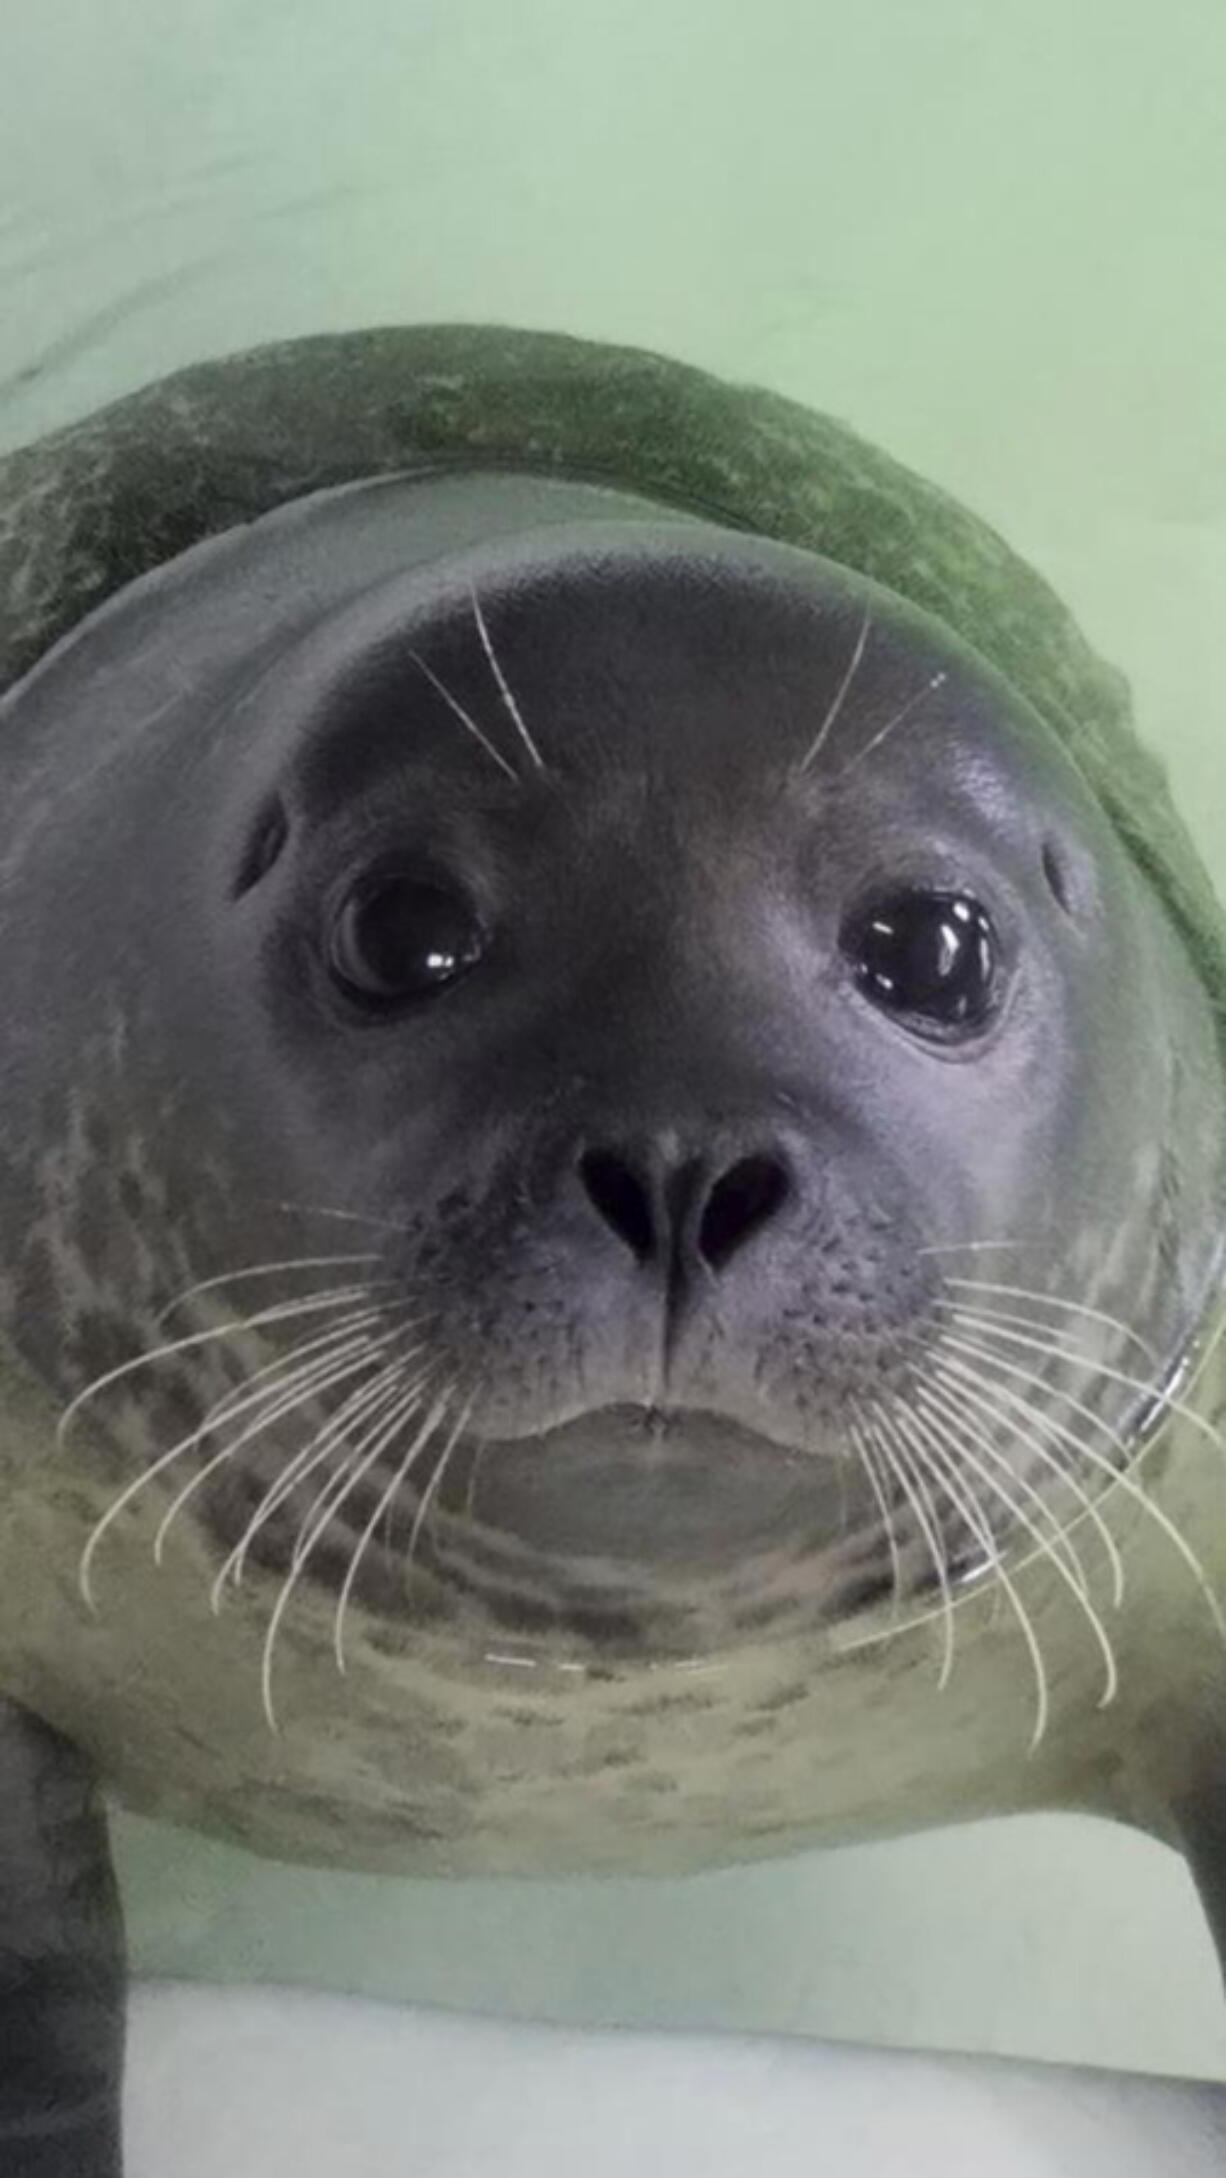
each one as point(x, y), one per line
point(61, 1962)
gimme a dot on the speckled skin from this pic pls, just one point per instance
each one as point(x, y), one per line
point(452, 1745)
point(660, 1769)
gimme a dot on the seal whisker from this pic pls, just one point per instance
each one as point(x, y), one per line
point(351, 1575)
point(922, 1470)
point(355, 1404)
point(464, 717)
point(355, 1407)
point(341, 1336)
point(1116, 1376)
point(1063, 1335)
point(387, 1499)
point(962, 1247)
point(349, 1217)
point(921, 1505)
point(470, 1495)
point(868, 1460)
point(261, 1270)
point(316, 1380)
point(284, 1312)
point(964, 1501)
point(504, 688)
point(952, 1409)
point(1067, 1342)
point(1050, 1300)
point(434, 1486)
point(371, 1452)
point(273, 1374)
point(334, 1489)
point(994, 1323)
point(951, 1344)
point(1073, 1575)
point(222, 1411)
point(983, 1398)
point(836, 703)
point(935, 680)
point(877, 1636)
point(1119, 1478)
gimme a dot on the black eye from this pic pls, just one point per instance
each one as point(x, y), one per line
point(930, 954)
point(396, 939)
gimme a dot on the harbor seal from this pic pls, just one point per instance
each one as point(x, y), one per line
point(613, 1155)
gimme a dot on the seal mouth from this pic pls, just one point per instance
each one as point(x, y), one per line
point(676, 1487)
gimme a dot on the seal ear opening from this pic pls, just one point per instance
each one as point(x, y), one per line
point(1057, 875)
point(268, 837)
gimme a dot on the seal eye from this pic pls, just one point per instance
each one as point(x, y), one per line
point(928, 954)
point(396, 939)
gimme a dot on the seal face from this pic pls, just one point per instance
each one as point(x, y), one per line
point(615, 1161)
point(553, 1031)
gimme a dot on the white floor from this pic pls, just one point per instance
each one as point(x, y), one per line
point(1068, 1941)
point(293, 2086)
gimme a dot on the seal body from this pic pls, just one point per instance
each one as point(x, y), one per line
point(613, 1147)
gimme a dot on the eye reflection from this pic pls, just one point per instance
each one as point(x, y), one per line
point(932, 955)
point(397, 939)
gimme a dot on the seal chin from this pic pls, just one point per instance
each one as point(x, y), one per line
point(658, 1487)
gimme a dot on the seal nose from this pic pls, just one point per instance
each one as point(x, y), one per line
point(679, 1212)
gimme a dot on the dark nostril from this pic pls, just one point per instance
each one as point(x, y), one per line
point(741, 1201)
point(621, 1198)
point(657, 1214)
